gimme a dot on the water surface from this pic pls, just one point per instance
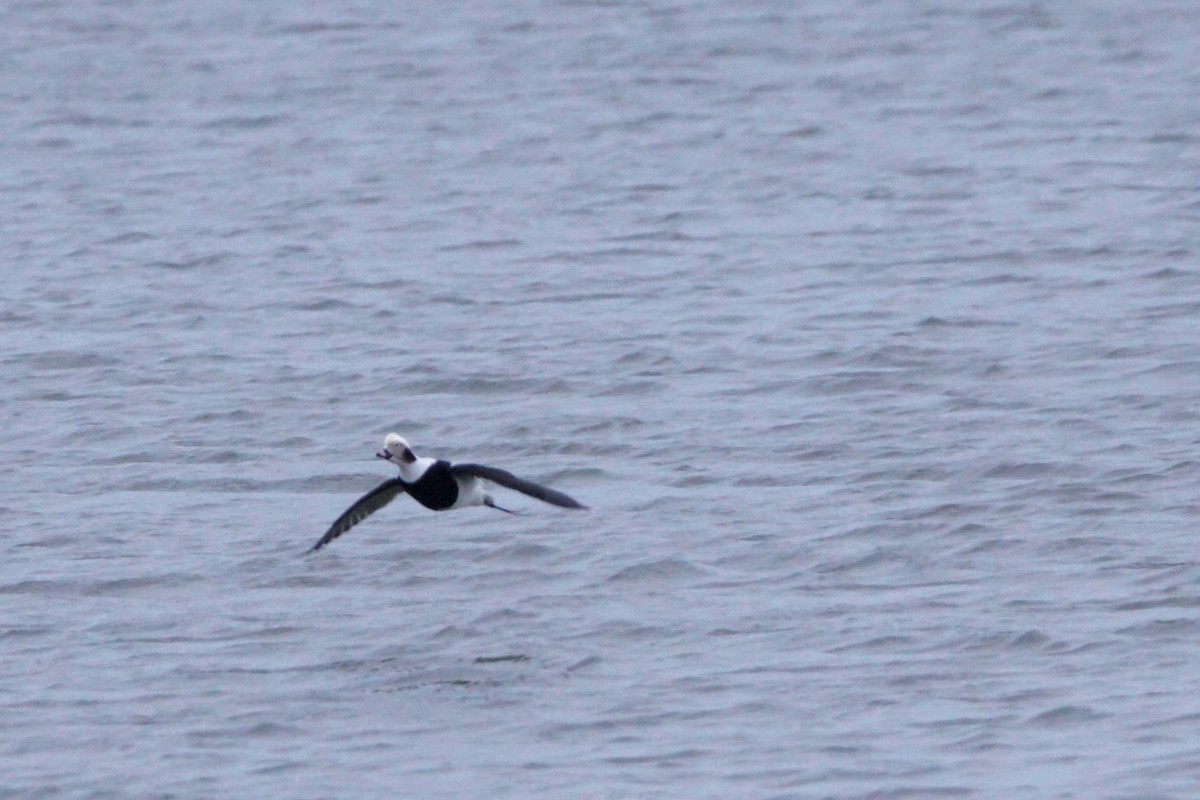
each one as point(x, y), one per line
point(869, 333)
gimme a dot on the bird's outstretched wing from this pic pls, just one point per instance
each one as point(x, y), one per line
point(363, 507)
point(507, 479)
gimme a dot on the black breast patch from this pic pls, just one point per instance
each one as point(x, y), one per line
point(436, 489)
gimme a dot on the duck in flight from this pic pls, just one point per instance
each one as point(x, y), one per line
point(438, 485)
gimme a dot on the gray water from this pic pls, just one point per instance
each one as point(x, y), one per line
point(869, 331)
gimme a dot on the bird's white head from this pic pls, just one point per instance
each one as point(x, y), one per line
point(396, 450)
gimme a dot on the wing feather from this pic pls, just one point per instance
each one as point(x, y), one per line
point(507, 479)
point(363, 507)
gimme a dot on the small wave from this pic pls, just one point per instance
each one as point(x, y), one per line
point(1065, 716)
point(485, 386)
point(515, 658)
point(1031, 469)
point(482, 245)
point(1169, 629)
point(632, 389)
point(66, 359)
point(1191, 601)
point(122, 586)
point(660, 569)
point(243, 123)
